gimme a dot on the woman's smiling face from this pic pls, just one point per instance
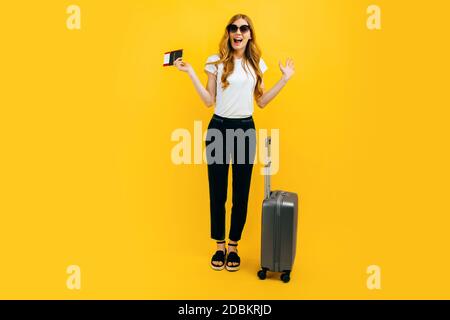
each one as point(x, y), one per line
point(239, 36)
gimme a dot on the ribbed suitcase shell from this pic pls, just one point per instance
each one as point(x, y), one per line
point(279, 231)
point(278, 227)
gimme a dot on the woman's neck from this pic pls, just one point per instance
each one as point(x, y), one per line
point(239, 54)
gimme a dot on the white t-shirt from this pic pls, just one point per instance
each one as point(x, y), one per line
point(236, 101)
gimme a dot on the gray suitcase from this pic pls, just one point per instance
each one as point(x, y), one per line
point(278, 229)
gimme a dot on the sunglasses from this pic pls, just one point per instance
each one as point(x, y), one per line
point(234, 28)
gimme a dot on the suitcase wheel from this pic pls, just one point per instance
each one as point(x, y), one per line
point(262, 273)
point(285, 276)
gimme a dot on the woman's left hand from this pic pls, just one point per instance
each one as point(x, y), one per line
point(288, 70)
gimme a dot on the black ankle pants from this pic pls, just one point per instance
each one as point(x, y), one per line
point(237, 145)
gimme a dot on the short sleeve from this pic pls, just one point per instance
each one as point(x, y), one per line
point(262, 65)
point(211, 67)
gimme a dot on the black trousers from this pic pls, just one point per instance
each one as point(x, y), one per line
point(229, 140)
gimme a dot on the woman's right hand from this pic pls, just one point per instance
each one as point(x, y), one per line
point(182, 65)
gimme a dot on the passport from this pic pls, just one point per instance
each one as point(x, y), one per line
point(171, 56)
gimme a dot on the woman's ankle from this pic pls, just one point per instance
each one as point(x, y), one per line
point(232, 245)
point(220, 245)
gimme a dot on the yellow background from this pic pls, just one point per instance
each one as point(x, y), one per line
point(85, 171)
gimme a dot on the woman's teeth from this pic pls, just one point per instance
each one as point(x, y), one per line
point(237, 40)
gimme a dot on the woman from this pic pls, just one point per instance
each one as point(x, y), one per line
point(235, 78)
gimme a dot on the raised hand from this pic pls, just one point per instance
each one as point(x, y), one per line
point(287, 70)
point(182, 65)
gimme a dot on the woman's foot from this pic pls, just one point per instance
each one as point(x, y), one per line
point(218, 259)
point(233, 260)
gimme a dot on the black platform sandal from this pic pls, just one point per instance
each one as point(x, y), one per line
point(233, 257)
point(219, 256)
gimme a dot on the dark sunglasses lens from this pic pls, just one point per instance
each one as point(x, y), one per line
point(232, 28)
point(244, 28)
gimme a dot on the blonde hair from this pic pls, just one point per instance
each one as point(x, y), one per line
point(252, 55)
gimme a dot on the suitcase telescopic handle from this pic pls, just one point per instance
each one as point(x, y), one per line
point(268, 145)
point(267, 169)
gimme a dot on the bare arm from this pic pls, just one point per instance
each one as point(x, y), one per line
point(270, 94)
point(287, 72)
point(207, 94)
